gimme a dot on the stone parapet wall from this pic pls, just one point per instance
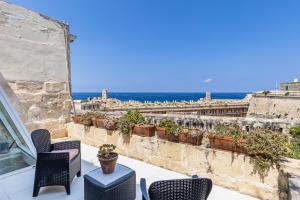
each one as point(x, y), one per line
point(208, 123)
point(226, 169)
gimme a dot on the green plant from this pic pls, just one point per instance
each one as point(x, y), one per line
point(266, 92)
point(171, 127)
point(131, 118)
point(286, 94)
point(106, 150)
point(87, 119)
point(295, 133)
point(267, 149)
point(233, 131)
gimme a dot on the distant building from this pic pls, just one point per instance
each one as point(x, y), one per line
point(104, 94)
point(290, 86)
point(208, 96)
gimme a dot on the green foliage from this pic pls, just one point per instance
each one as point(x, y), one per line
point(106, 150)
point(131, 118)
point(295, 133)
point(171, 127)
point(266, 92)
point(233, 131)
point(267, 148)
point(286, 94)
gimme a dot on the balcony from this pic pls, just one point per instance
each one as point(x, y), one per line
point(23, 190)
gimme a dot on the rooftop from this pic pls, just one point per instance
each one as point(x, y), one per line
point(10, 190)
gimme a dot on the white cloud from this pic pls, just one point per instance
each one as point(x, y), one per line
point(208, 80)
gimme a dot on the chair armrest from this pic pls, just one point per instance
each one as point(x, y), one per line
point(144, 190)
point(66, 145)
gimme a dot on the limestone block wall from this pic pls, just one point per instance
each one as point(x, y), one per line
point(34, 59)
point(274, 106)
point(226, 169)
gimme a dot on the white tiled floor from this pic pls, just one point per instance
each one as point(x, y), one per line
point(19, 185)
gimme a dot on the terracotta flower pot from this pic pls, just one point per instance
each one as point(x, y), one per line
point(183, 137)
point(144, 130)
point(195, 140)
point(108, 165)
point(173, 137)
point(226, 143)
point(99, 122)
point(195, 137)
point(161, 133)
point(76, 119)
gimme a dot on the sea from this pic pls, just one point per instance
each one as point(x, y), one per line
point(160, 96)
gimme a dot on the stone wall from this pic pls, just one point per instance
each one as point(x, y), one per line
point(207, 123)
point(34, 59)
point(284, 107)
point(226, 169)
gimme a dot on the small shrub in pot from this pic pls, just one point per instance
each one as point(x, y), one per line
point(228, 137)
point(129, 120)
point(169, 130)
point(107, 158)
point(87, 119)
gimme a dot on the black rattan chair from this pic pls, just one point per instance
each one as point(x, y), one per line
point(180, 189)
point(57, 164)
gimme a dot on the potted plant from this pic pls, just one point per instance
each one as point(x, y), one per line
point(230, 138)
point(76, 118)
point(144, 130)
point(183, 136)
point(107, 158)
point(169, 130)
point(129, 120)
point(98, 120)
point(195, 137)
point(87, 119)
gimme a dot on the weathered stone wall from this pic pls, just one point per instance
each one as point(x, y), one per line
point(207, 123)
point(224, 168)
point(34, 59)
point(283, 107)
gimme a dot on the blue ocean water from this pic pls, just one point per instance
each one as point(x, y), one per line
point(159, 96)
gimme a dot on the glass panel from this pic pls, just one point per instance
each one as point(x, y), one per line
point(13, 149)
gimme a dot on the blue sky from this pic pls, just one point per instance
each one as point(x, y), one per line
point(179, 45)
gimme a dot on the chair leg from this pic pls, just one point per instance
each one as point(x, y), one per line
point(78, 174)
point(68, 189)
point(35, 191)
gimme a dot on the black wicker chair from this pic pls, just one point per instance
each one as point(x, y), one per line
point(57, 164)
point(180, 189)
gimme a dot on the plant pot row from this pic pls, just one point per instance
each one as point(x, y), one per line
point(107, 124)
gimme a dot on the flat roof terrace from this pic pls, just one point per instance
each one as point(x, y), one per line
point(19, 184)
